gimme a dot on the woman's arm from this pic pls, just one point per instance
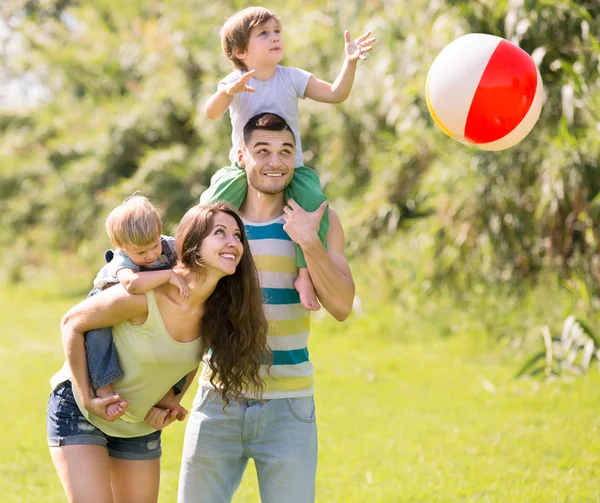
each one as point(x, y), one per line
point(171, 403)
point(105, 309)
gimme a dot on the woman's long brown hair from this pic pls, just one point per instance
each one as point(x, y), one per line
point(234, 327)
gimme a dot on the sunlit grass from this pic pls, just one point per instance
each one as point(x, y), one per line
point(403, 414)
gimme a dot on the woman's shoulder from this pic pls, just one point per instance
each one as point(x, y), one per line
point(164, 297)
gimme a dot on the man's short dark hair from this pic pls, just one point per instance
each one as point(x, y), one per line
point(266, 122)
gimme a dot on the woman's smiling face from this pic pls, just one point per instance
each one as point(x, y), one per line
point(222, 249)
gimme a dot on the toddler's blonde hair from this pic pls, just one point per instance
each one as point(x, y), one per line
point(135, 222)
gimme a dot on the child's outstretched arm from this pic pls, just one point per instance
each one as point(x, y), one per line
point(142, 282)
point(219, 102)
point(320, 90)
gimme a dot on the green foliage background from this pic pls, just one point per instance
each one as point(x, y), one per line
point(127, 85)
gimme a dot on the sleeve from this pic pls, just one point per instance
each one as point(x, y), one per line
point(300, 79)
point(122, 261)
point(233, 76)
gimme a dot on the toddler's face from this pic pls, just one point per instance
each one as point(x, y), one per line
point(265, 45)
point(144, 255)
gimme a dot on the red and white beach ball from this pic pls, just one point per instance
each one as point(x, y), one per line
point(484, 91)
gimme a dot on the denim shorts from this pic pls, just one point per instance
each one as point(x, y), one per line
point(66, 425)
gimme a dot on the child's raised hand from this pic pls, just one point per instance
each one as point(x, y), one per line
point(355, 49)
point(179, 283)
point(240, 85)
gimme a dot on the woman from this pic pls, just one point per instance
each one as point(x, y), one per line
point(160, 338)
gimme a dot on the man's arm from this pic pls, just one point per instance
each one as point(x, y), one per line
point(329, 269)
point(102, 310)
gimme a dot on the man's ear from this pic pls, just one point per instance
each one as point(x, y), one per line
point(240, 158)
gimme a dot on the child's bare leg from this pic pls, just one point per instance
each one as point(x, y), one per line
point(304, 286)
point(112, 409)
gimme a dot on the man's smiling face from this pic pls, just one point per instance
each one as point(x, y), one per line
point(268, 158)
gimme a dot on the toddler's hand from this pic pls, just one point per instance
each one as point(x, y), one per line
point(355, 49)
point(239, 86)
point(178, 282)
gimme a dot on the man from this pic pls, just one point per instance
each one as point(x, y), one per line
point(279, 432)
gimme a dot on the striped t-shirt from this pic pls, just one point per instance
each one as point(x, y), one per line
point(291, 374)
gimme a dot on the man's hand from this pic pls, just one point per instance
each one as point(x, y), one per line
point(355, 49)
point(160, 418)
point(98, 406)
point(240, 85)
point(179, 283)
point(301, 225)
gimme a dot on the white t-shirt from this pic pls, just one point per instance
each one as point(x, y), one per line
point(278, 95)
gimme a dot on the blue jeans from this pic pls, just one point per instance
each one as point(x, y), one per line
point(279, 434)
point(103, 364)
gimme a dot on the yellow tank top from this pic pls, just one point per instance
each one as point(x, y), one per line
point(152, 362)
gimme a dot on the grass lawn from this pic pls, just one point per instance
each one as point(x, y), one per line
point(401, 419)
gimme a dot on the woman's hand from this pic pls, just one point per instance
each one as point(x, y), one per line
point(160, 418)
point(170, 402)
point(98, 407)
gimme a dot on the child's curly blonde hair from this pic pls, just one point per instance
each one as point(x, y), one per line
point(135, 222)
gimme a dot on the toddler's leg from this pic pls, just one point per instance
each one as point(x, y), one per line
point(103, 365)
point(228, 184)
point(306, 289)
point(305, 189)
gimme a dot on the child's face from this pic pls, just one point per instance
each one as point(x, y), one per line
point(144, 255)
point(265, 46)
